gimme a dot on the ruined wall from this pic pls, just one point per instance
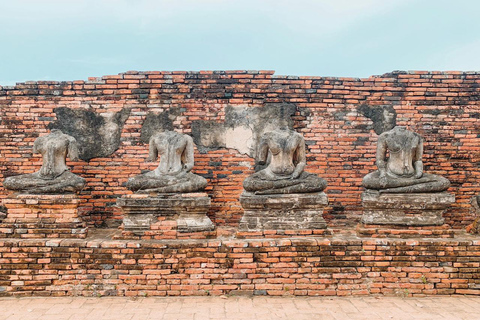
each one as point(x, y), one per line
point(299, 267)
point(113, 116)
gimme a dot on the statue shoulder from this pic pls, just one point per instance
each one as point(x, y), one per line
point(70, 138)
point(416, 135)
point(39, 140)
point(298, 136)
point(37, 145)
point(188, 138)
point(157, 135)
point(384, 136)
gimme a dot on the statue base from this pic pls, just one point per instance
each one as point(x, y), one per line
point(166, 216)
point(474, 227)
point(42, 216)
point(265, 215)
point(408, 214)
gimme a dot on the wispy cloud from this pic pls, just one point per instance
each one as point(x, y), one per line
point(97, 60)
point(459, 57)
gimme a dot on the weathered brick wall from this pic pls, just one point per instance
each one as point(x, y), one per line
point(45, 216)
point(262, 267)
point(443, 107)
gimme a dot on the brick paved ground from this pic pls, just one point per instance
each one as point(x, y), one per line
point(197, 308)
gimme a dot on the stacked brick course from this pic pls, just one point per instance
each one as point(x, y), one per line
point(441, 106)
point(165, 228)
point(309, 266)
point(395, 231)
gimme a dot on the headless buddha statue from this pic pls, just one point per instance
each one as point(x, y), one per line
point(54, 175)
point(284, 174)
point(173, 173)
point(402, 172)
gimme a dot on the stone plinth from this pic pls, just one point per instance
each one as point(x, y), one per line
point(474, 227)
point(406, 209)
point(164, 216)
point(264, 213)
point(42, 216)
point(405, 214)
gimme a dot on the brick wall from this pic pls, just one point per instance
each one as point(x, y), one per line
point(309, 266)
point(443, 107)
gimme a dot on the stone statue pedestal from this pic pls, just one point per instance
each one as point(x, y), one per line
point(474, 227)
point(165, 216)
point(405, 214)
point(282, 212)
point(42, 216)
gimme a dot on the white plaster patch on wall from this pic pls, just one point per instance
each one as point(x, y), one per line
point(240, 138)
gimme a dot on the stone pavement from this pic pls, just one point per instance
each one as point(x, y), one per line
point(256, 308)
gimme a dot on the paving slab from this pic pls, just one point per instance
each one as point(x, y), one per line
point(238, 308)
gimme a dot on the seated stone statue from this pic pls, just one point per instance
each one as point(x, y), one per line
point(173, 173)
point(284, 174)
point(402, 172)
point(54, 175)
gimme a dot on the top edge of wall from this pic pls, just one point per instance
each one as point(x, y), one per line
point(265, 74)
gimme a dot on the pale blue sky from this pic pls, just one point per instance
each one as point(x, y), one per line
point(74, 40)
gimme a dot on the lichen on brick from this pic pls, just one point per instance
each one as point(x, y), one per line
point(98, 134)
point(159, 122)
point(384, 117)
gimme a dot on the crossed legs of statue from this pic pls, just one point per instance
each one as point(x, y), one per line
point(147, 183)
point(427, 183)
point(33, 184)
point(306, 183)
